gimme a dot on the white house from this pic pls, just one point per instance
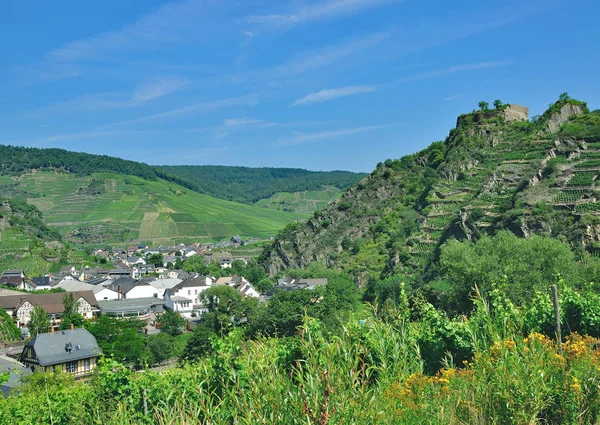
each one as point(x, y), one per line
point(104, 293)
point(184, 298)
point(142, 290)
point(20, 306)
point(132, 261)
point(241, 284)
point(161, 285)
point(226, 263)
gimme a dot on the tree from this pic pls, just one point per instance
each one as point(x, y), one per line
point(39, 322)
point(264, 285)
point(155, 259)
point(8, 329)
point(564, 97)
point(69, 304)
point(484, 106)
point(498, 104)
point(160, 347)
point(178, 263)
point(224, 304)
point(254, 272)
point(171, 323)
point(120, 338)
point(199, 345)
point(70, 316)
point(195, 264)
point(522, 266)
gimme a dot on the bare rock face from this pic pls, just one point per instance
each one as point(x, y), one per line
point(557, 119)
point(515, 113)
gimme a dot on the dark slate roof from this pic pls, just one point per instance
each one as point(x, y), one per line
point(52, 303)
point(50, 348)
point(41, 280)
point(123, 284)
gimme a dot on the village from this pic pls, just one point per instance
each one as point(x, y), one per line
point(134, 285)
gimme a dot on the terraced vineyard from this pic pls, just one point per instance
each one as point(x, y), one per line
point(103, 208)
point(495, 171)
point(305, 202)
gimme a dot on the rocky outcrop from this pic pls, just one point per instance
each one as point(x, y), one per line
point(514, 112)
point(557, 119)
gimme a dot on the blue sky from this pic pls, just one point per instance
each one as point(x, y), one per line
point(323, 85)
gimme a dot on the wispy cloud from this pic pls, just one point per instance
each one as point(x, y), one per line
point(311, 60)
point(454, 97)
point(249, 100)
point(146, 92)
point(44, 141)
point(317, 11)
point(233, 125)
point(300, 138)
point(317, 59)
point(247, 122)
point(157, 88)
point(329, 94)
point(454, 69)
point(163, 25)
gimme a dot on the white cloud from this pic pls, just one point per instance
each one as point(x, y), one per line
point(144, 93)
point(317, 59)
point(313, 137)
point(242, 122)
point(328, 94)
point(249, 100)
point(318, 11)
point(455, 69)
point(157, 88)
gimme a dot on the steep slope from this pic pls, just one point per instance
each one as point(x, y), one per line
point(26, 242)
point(250, 185)
point(111, 208)
point(496, 170)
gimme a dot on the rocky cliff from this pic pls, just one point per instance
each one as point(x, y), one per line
point(496, 170)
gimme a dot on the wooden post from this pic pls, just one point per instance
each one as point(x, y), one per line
point(145, 402)
point(557, 317)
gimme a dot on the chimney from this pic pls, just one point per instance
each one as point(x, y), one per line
point(72, 326)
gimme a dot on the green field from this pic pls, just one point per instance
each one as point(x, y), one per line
point(301, 202)
point(103, 208)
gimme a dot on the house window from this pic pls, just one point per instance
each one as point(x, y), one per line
point(72, 367)
point(86, 364)
point(195, 292)
point(189, 292)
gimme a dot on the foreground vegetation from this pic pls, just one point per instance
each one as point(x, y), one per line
point(323, 357)
point(409, 364)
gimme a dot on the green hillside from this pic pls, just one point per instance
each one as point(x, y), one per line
point(306, 202)
point(496, 170)
point(25, 240)
point(250, 185)
point(111, 207)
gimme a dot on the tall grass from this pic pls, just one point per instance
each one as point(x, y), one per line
point(379, 368)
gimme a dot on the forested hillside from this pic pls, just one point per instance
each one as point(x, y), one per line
point(496, 170)
point(249, 185)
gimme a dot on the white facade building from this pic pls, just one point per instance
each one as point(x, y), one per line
point(184, 298)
